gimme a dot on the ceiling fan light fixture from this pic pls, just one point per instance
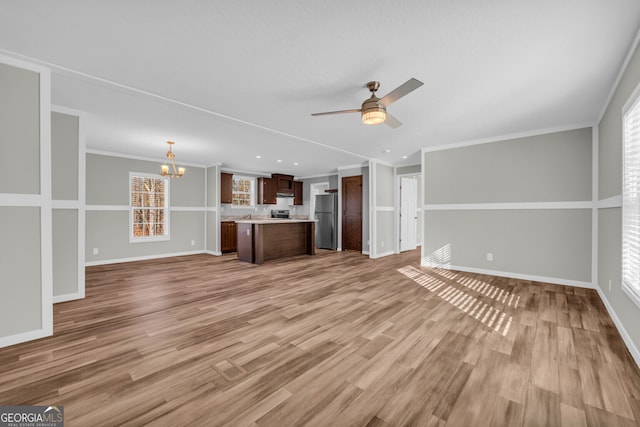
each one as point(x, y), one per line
point(373, 114)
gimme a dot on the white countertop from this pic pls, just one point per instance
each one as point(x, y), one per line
point(272, 221)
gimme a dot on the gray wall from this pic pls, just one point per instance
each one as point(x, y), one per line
point(554, 167)
point(25, 221)
point(20, 127)
point(108, 229)
point(306, 191)
point(546, 243)
point(610, 219)
point(67, 174)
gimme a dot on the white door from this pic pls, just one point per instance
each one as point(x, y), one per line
point(408, 213)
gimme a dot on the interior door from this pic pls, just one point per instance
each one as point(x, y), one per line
point(408, 213)
point(352, 213)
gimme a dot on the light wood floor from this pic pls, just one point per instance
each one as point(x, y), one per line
point(336, 339)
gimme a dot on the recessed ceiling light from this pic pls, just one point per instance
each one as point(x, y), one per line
point(387, 150)
point(404, 157)
point(279, 161)
point(295, 164)
point(258, 157)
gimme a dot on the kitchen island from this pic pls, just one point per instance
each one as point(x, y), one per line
point(260, 240)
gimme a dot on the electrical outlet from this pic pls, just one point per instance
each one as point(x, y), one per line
point(609, 285)
point(193, 243)
point(95, 251)
point(489, 256)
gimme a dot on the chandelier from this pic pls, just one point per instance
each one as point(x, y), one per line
point(175, 172)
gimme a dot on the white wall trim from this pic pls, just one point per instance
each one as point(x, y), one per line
point(587, 204)
point(65, 204)
point(594, 210)
point(187, 209)
point(542, 279)
point(385, 209)
point(10, 199)
point(240, 171)
point(373, 218)
point(158, 160)
point(107, 208)
point(620, 326)
point(383, 254)
point(610, 202)
point(46, 213)
point(621, 71)
point(518, 135)
point(142, 258)
point(356, 166)
point(326, 175)
point(24, 337)
point(68, 297)
point(215, 253)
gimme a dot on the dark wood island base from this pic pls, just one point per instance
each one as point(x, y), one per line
point(263, 240)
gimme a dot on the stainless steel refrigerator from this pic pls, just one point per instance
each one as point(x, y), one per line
point(327, 226)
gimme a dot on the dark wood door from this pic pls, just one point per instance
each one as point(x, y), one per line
point(352, 213)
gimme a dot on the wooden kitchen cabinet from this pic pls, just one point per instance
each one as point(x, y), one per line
point(284, 183)
point(267, 191)
point(226, 187)
point(297, 192)
point(228, 236)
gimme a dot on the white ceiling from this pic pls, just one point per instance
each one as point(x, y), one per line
point(229, 80)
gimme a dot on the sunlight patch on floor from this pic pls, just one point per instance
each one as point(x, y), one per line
point(487, 314)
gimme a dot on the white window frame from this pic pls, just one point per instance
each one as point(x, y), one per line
point(146, 239)
point(631, 184)
point(251, 192)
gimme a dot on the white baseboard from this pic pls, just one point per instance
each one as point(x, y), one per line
point(216, 253)
point(365, 252)
point(542, 279)
point(68, 297)
point(623, 332)
point(23, 337)
point(383, 254)
point(141, 258)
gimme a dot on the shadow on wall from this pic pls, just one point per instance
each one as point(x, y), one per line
point(456, 290)
point(440, 258)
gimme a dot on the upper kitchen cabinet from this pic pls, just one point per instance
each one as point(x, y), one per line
point(267, 191)
point(226, 187)
point(297, 193)
point(284, 184)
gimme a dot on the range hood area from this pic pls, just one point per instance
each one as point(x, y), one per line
point(284, 185)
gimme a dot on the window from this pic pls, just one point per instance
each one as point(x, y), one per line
point(148, 207)
point(631, 198)
point(243, 193)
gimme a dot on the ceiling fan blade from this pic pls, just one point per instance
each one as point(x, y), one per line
point(392, 121)
point(402, 90)
point(328, 113)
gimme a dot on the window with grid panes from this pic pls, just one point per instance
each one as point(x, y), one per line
point(148, 207)
point(631, 198)
point(243, 191)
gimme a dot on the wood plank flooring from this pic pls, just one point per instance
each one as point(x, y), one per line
point(335, 339)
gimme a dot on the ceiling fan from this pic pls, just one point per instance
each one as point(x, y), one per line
point(374, 109)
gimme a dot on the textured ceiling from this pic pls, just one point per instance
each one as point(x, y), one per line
point(232, 80)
